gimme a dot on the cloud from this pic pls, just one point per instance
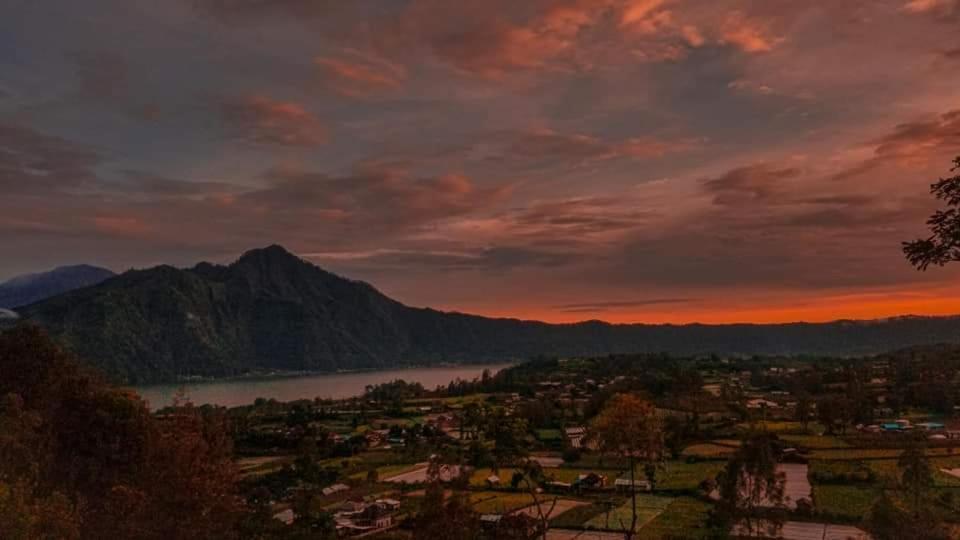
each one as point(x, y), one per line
point(257, 9)
point(921, 140)
point(101, 75)
point(355, 74)
point(33, 162)
point(620, 304)
point(752, 183)
point(941, 9)
point(747, 34)
point(120, 226)
point(546, 143)
point(263, 120)
point(379, 198)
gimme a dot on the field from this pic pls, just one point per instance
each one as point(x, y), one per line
point(708, 450)
point(547, 504)
point(648, 507)
point(684, 516)
point(549, 435)
point(815, 441)
point(680, 475)
point(496, 502)
point(847, 502)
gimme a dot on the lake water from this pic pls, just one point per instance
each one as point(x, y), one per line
point(235, 392)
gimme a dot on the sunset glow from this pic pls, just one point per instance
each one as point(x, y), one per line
point(625, 160)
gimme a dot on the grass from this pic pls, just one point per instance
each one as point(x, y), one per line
point(783, 427)
point(385, 471)
point(548, 435)
point(479, 476)
point(575, 518)
point(708, 450)
point(847, 502)
point(872, 453)
point(815, 441)
point(679, 475)
point(685, 517)
point(496, 502)
point(648, 508)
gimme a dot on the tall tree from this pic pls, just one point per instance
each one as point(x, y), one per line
point(71, 444)
point(916, 475)
point(942, 245)
point(751, 482)
point(631, 429)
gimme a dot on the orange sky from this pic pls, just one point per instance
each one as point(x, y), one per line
point(627, 160)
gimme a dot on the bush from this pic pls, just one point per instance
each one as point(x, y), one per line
point(571, 455)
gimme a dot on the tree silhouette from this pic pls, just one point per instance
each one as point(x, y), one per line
point(630, 428)
point(943, 244)
point(916, 475)
point(750, 482)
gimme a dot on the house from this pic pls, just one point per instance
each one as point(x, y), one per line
point(335, 488)
point(390, 504)
point(286, 516)
point(575, 436)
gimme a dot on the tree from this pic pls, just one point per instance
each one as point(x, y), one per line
point(75, 450)
point(750, 482)
point(943, 244)
point(888, 521)
point(804, 412)
point(916, 476)
point(629, 428)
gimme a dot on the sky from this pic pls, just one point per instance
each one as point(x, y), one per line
point(625, 160)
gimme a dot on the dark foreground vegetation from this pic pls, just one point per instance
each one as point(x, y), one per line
point(628, 446)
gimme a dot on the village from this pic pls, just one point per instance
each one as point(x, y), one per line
point(520, 447)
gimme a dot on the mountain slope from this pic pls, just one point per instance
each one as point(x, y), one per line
point(271, 310)
point(30, 288)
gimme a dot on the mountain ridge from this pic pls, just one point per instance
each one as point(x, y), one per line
point(271, 310)
point(29, 288)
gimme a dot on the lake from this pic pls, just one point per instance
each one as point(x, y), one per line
point(236, 392)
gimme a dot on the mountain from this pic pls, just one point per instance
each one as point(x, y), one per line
point(30, 288)
point(271, 310)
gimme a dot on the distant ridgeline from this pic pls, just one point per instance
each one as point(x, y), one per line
point(271, 310)
point(24, 290)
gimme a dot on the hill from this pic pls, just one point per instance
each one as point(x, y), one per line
point(30, 288)
point(271, 310)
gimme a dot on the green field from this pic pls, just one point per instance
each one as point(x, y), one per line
point(815, 441)
point(684, 517)
point(496, 502)
point(548, 435)
point(648, 508)
point(681, 475)
point(850, 502)
point(708, 450)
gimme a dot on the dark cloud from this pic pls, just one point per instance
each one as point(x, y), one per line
point(490, 259)
point(549, 144)
point(33, 162)
point(380, 197)
point(263, 120)
point(761, 182)
point(256, 9)
point(102, 76)
point(620, 304)
point(911, 144)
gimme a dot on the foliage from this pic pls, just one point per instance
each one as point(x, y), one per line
point(943, 244)
point(751, 481)
point(74, 450)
